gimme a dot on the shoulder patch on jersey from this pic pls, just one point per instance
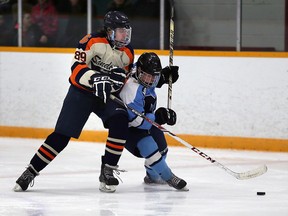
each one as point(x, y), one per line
point(85, 39)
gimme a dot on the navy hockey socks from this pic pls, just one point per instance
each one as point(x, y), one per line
point(52, 146)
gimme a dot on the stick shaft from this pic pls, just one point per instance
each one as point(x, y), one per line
point(245, 175)
point(171, 48)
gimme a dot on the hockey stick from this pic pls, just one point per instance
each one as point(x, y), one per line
point(241, 176)
point(171, 47)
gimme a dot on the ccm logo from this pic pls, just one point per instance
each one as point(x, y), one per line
point(202, 154)
point(101, 78)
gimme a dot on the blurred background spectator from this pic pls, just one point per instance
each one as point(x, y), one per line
point(209, 26)
point(31, 33)
point(44, 14)
point(64, 22)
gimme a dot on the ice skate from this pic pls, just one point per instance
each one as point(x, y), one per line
point(108, 182)
point(25, 179)
point(177, 183)
point(149, 181)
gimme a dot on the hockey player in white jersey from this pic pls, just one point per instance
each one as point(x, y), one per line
point(144, 140)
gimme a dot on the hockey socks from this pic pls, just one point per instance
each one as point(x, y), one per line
point(117, 135)
point(52, 146)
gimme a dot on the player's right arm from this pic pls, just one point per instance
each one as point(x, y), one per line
point(80, 70)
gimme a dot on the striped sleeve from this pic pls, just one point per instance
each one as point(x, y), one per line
point(81, 71)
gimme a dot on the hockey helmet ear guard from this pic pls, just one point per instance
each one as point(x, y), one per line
point(148, 69)
point(117, 26)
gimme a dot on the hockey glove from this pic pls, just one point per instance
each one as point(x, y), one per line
point(165, 73)
point(117, 78)
point(165, 115)
point(101, 86)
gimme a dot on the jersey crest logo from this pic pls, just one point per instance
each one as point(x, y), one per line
point(96, 61)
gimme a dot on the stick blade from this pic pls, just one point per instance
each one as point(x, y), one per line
point(252, 173)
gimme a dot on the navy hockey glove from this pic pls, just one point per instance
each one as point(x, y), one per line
point(101, 86)
point(165, 73)
point(165, 115)
point(117, 78)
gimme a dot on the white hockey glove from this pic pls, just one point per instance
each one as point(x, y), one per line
point(101, 86)
point(117, 78)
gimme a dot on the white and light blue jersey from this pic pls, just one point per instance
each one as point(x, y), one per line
point(141, 99)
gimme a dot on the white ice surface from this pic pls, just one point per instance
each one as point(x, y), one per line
point(69, 185)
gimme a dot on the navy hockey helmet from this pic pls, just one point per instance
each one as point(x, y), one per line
point(117, 26)
point(148, 69)
point(116, 19)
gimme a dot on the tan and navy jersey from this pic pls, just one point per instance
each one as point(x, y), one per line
point(95, 54)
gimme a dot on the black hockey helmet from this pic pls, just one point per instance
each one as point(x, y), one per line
point(116, 19)
point(148, 69)
point(117, 23)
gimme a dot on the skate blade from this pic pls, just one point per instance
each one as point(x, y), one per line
point(155, 183)
point(184, 189)
point(17, 188)
point(107, 188)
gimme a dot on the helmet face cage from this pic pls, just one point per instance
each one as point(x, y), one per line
point(117, 26)
point(120, 37)
point(147, 79)
point(148, 69)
